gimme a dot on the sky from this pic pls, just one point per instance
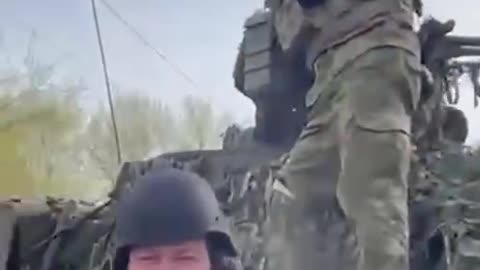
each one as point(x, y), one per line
point(200, 37)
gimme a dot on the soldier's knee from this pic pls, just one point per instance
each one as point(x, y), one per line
point(368, 151)
point(373, 184)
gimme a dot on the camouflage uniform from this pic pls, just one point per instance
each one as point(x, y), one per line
point(367, 85)
point(443, 208)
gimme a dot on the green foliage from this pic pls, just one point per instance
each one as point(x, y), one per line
point(143, 124)
point(15, 180)
point(50, 146)
point(200, 126)
point(40, 121)
point(148, 127)
point(36, 124)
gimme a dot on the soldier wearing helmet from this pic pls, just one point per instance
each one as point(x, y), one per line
point(171, 220)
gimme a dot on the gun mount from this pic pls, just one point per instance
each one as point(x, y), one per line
point(442, 54)
point(448, 58)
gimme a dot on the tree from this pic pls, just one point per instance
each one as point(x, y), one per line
point(143, 123)
point(147, 127)
point(37, 121)
point(40, 121)
point(200, 125)
point(49, 146)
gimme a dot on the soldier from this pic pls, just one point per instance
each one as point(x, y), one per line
point(435, 178)
point(366, 58)
point(458, 173)
point(171, 220)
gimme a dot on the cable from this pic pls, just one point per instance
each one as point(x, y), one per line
point(136, 33)
point(107, 83)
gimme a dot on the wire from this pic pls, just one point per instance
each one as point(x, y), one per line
point(107, 83)
point(145, 42)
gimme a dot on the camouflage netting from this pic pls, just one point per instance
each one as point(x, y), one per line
point(58, 234)
point(29, 230)
point(444, 209)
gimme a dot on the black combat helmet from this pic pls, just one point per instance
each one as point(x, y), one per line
point(169, 206)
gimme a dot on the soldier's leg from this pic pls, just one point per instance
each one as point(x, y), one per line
point(382, 90)
point(317, 235)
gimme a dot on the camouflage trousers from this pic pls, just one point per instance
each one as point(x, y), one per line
point(359, 126)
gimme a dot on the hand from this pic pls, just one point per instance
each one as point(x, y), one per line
point(433, 29)
point(430, 35)
point(427, 84)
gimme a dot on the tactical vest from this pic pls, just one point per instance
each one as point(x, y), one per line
point(338, 21)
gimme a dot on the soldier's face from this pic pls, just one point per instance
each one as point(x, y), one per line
point(185, 256)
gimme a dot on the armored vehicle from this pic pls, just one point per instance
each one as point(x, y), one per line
point(65, 234)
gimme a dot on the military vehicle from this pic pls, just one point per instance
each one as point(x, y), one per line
point(65, 234)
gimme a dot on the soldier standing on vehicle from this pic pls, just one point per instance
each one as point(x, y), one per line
point(171, 220)
point(457, 173)
point(366, 58)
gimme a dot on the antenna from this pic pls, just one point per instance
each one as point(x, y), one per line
point(107, 83)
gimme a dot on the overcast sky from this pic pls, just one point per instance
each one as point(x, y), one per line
point(199, 36)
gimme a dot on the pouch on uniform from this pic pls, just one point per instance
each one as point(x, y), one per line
point(257, 50)
point(267, 69)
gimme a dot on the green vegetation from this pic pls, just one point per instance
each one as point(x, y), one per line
point(50, 146)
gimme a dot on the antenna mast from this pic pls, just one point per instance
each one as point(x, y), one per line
point(107, 83)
